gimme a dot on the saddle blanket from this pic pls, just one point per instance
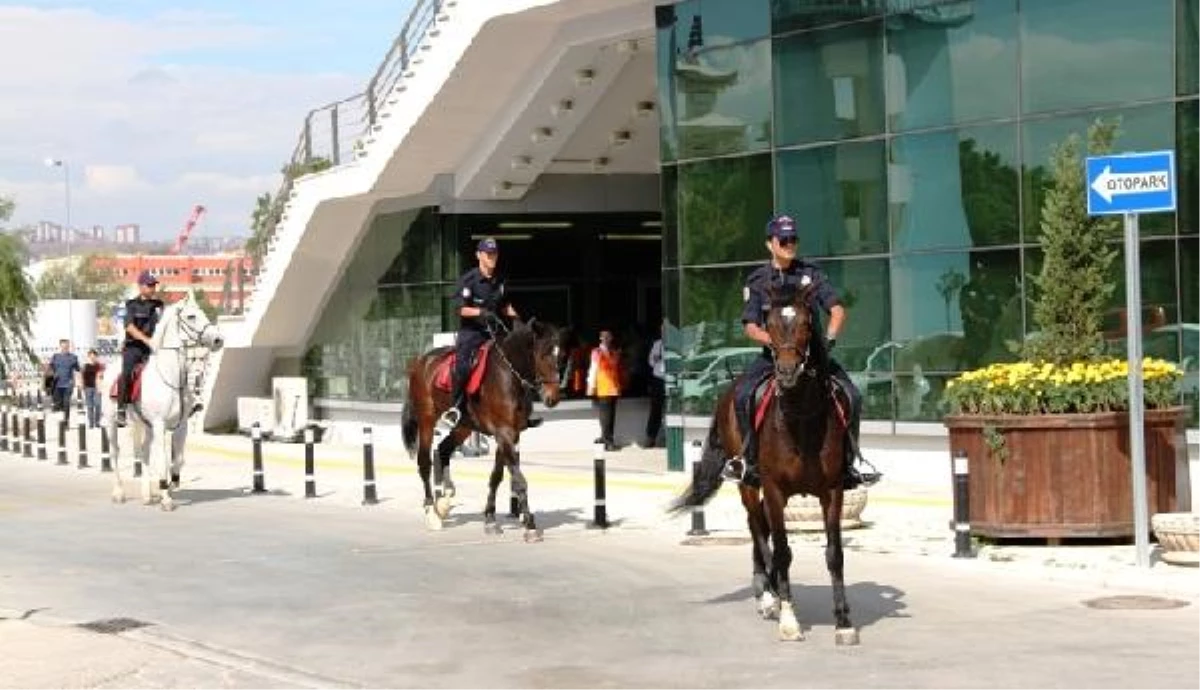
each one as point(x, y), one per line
point(443, 376)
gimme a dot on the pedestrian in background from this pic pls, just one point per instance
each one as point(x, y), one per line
point(604, 384)
point(657, 390)
point(63, 367)
point(92, 373)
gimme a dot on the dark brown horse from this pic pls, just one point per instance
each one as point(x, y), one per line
point(801, 450)
point(525, 360)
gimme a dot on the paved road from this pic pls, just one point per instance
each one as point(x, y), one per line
point(275, 591)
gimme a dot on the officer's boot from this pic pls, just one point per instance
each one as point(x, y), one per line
point(453, 414)
point(122, 399)
point(738, 468)
point(851, 477)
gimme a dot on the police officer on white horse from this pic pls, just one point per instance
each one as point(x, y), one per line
point(141, 316)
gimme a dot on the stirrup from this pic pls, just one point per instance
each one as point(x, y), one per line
point(120, 419)
point(734, 470)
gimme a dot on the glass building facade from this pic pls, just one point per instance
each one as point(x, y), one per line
point(911, 140)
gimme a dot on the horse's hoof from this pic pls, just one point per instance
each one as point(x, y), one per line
point(493, 528)
point(845, 637)
point(790, 632)
point(450, 491)
point(167, 506)
point(432, 521)
point(533, 536)
point(768, 607)
point(118, 498)
point(442, 506)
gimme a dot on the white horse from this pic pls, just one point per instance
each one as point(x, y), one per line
point(182, 341)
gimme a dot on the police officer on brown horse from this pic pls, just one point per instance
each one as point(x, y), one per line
point(785, 273)
point(482, 300)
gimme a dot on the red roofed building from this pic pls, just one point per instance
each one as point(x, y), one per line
point(178, 273)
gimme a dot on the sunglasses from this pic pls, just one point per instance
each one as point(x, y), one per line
point(785, 241)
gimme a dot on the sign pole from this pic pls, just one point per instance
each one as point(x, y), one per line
point(1133, 340)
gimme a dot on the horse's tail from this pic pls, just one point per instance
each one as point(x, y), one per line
point(409, 425)
point(705, 482)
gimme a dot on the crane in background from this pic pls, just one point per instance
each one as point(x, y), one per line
point(186, 231)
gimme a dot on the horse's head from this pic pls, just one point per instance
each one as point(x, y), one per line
point(790, 325)
point(185, 324)
point(549, 358)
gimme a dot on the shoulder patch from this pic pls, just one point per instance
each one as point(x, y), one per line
point(805, 280)
point(746, 294)
point(466, 292)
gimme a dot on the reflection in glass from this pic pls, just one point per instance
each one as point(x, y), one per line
point(829, 84)
point(789, 15)
point(1077, 53)
point(713, 344)
point(1187, 166)
point(723, 99)
point(919, 396)
point(669, 177)
point(728, 21)
point(955, 189)
point(1143, 128)
point(1187, 46)
point(952, 65)
point(865, 290)
point(724, 205)
point(838, 196)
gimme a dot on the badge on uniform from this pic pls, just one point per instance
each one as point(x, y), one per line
point(805, 280)
point(746, 294)
point(466, 292)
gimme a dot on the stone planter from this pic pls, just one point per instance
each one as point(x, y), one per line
point(1064, 475)
point(1178, 536)
point(803, 513)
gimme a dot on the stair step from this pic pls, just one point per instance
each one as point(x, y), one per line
point(410, 74)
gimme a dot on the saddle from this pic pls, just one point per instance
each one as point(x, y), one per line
point(443, 377)
point(763, 391)
point(135, 385)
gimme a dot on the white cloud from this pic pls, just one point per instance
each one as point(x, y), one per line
point(146, 138)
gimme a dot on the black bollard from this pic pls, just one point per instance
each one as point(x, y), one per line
point(83, 454)
point(4, 429)
point(962, 507)
point(695, 451)
point(27, 424)
point(105, 452)
point(310, 479)
point(62, 442)
point(369, 498)
point(256, 440)
point(600, 519)
point(41, 435)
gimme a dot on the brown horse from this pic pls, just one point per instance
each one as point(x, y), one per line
point(525, 360)
point(801, 450)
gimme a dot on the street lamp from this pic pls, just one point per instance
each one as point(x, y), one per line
point(60, 163)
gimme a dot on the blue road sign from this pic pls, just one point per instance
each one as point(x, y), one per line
point(1131, 183)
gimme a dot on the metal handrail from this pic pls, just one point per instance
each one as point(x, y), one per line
point(333, 133)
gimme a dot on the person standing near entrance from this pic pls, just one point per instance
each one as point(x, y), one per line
point(604, 384)
point(63, 367)
point(658, 389)
point(91, 395)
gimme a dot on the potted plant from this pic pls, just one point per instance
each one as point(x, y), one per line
point(1047, 438)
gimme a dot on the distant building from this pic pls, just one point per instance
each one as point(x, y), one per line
point(127, 233)
point(178, 273)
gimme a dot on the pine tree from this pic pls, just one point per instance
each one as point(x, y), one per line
point(1075, 283)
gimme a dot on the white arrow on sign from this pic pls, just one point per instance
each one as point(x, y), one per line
point(1108, 184)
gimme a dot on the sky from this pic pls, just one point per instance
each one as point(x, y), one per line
point(158, 105)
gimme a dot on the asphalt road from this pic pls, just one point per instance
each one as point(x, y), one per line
point(326, 593)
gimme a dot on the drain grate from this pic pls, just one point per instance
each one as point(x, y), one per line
point(113, 626)
point(1134, 602)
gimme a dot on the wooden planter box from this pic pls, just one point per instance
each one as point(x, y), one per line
point(1064, 475)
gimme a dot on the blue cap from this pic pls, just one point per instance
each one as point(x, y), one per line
point(147, 278)
point(488, 244)
point(781, 226)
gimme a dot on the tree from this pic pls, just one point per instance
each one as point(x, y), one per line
point(1073, 288)
point(261, 225)
point(17, 299)
point(210, 310)
point(949, 285)
point(93, 279)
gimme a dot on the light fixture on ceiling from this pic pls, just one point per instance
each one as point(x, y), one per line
point(541, 134)
point(503, 238)
point(585, 76)
point(521, 162)
point(503, 187)
point(651, 223)
point(620, 137)
point(628, 46)
point(563, 107)
point(644, 108)
point(634, 237)
point(545, 224)
point(600, 163)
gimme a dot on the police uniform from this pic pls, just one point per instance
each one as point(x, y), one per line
point(757, 304)
point(474, 290)
point(142, 313)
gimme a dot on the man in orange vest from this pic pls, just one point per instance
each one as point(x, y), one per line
point(604, 384)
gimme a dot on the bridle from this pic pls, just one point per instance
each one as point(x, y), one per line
point(538, 381)
point(803, 366)
point(192, 351)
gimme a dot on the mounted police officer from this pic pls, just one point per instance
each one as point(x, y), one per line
point(481, 301)
point(141, 316)
point(784, 271)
